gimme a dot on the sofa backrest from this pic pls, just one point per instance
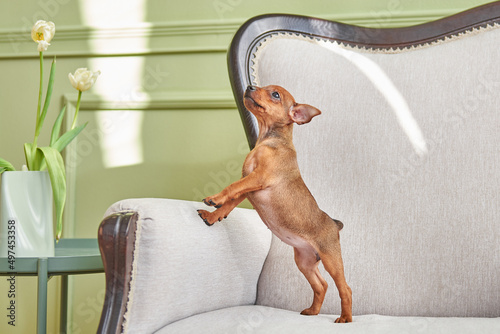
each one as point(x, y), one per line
point(406, 153)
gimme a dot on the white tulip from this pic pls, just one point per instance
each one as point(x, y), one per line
point(42, 33)
point(83, 79)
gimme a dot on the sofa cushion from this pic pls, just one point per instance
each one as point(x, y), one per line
point(182, 267)
point(406, 154)
point(267, 320)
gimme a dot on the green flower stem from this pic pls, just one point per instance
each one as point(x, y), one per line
point(38, 114)
point(77, 109)
point(40, 90)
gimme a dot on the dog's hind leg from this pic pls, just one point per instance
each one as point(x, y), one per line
point(307, 260)
point(332, 260)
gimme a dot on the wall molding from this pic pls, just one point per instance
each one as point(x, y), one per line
point(175, 37)
point(171, 100)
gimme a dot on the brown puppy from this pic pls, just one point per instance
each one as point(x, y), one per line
point(272, 183)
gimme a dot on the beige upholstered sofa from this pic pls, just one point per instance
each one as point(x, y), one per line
point(406, 153)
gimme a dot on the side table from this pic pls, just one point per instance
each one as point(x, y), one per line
point(72, 257)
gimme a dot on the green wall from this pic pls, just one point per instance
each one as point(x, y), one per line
point(163, 98)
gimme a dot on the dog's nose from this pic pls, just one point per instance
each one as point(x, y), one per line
point(251, 88)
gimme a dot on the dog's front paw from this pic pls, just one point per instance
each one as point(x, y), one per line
point(209, 217)
point(213, 201)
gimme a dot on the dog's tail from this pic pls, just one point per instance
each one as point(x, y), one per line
point(340, 225)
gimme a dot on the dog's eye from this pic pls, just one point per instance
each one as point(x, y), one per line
point(276, 95)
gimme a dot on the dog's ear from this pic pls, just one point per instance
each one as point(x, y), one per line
point(303, 113)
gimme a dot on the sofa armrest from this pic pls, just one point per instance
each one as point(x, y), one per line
point(116, 242)
point(163, 263)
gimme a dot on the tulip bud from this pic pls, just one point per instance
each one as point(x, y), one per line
point(83, 79)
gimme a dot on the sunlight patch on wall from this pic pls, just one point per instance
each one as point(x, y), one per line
point(121, 141)
point(119, 80)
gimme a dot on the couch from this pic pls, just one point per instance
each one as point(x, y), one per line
point(406, 154)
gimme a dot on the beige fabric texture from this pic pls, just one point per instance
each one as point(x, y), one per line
point(182, 267)
point(406, 154)
point(266, 320)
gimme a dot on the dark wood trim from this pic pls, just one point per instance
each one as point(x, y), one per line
point(256, 29)
point(116, 238)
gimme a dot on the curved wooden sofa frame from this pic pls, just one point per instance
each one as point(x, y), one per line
point(117, 232)
point(254, 31)
point(116, 238)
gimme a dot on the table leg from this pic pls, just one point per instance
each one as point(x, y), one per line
point(63, 321)
point(42, 296)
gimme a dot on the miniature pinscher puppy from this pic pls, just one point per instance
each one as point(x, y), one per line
point(273, 184)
